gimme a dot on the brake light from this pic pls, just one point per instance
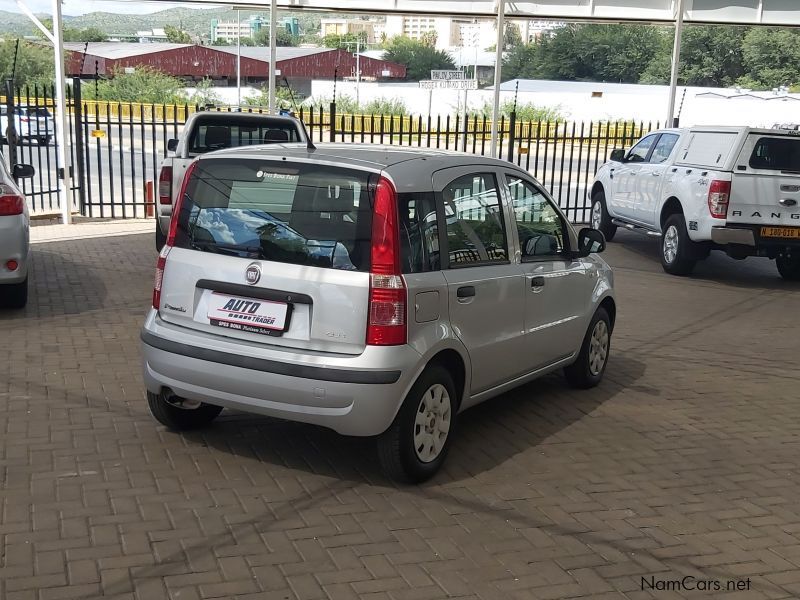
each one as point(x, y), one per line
point(719, 194)
point(165, 186)
point(10, 204)
point(161, 264)
point(386, 325)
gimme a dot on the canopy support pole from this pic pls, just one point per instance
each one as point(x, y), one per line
point(498, 68)
point(273, 53)
point(676, 60)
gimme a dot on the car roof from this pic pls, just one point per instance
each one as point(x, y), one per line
point(374, 156)
point(243, 116)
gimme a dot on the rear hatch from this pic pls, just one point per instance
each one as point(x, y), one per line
point(765, 188)
point(274, 253)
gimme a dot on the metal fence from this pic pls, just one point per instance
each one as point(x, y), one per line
point(115, 148)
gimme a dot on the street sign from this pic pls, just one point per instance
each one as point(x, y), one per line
point(447, 75)
point(453, 84)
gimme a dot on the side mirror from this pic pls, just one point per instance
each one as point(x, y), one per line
point(618, 155)
point(590, 241)
point(23, 171)
point(172, 145)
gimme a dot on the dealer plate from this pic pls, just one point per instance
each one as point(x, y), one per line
point(249, 315)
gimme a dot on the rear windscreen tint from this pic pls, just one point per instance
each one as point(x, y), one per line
point(220, 135)
point(292, 213)
point(776, 154)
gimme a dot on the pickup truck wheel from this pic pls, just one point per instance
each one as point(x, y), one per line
point(601, 220)
point(179, 414)
point(161, 239)
point(416, 444)
point(587, 371)
point(789, 267)
point(676, 247)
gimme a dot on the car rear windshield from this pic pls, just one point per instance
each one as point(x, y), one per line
point(218, 135)
point(299, 214)
point(776, 154)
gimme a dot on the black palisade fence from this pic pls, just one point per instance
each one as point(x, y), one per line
point(115, 148)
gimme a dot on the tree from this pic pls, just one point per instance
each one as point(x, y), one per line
point(34, 63)
point(418, 58)
point(282, 37)
point(144, 84)
point(771, 57)
point(511, 37)
point(177, 36)
point(521, 62)
point(336, 40)
point(90, 34)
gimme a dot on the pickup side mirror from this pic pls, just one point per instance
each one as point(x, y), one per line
point(590, 241)
point(172, 145)
point(618, 155)
point(22, 171)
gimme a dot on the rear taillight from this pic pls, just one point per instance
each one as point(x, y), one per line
point(719, 195)
point(161, 265)
point(386, 324)
point(165, 186)
point(11, 204)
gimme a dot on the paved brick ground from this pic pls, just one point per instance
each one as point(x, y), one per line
point(684, 462)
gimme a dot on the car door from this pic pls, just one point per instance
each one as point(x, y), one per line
point(651, 179)
point(485, 294)
point(626, 175)
point(557, 287)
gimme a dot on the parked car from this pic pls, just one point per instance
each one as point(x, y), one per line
point(735, 189)
point(209, 131)
point(30, 123)
point(372, 290)
point(14, 237)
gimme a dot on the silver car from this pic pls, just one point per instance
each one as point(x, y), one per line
point(373, 290)
point(14, 237)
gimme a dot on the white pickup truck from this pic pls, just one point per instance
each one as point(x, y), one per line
point(735, 189)
point(209, 131)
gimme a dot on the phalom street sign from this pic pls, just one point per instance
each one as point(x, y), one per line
point(445, 75)
point(453, 84)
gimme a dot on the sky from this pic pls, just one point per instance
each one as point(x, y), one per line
point(79, 7)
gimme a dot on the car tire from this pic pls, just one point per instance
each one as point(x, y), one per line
point(789, 267)
point(161, 239)
point(416, 444)
point(178, 418)
point(588, 369)
point(677, 249)
point(14, 295)
point(601, 220)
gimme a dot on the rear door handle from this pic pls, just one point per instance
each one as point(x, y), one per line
point(468, 291)
point(656, 174)
point(537, 282)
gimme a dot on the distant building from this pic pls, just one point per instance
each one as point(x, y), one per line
point(151, 36)
point(191, 62)
point(349, 27)
point(231, 31)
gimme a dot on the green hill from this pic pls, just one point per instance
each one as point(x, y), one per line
point(197, 21)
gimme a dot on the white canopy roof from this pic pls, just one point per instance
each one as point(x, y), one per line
point(764, 12)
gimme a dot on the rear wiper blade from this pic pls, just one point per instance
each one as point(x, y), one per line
point(203, 244)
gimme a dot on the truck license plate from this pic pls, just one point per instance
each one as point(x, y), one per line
point(781, 232)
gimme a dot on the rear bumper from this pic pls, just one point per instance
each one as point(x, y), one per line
point(342, 394)
point(731, 235)
point(748, 237)
point(14, 245)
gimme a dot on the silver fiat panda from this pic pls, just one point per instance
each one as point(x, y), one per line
point(373, 290)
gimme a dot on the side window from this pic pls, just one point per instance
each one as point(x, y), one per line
point(475, 230)
point(541, 230)
point(419, 233)
point(664, 148)
point(639, 152)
